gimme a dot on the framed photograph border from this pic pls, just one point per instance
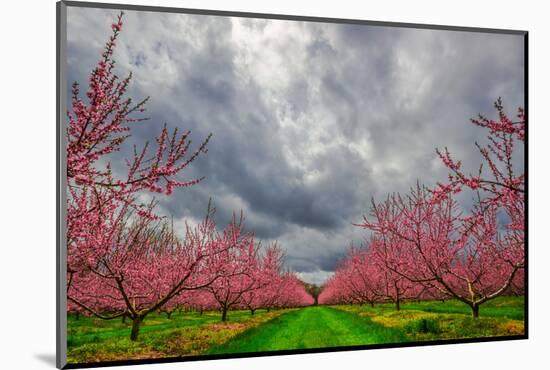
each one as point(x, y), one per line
point(61, 185)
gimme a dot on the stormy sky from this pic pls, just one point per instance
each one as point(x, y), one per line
point(309, 120)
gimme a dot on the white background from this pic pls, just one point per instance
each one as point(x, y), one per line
point(27, 185)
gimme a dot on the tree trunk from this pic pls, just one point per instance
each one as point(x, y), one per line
point(475, 311)
point(252, 312)
point(397, 298)
point(77, 315)
point(123, 319)
point(269, 308)
point(372, 304)
point(201, 311)
point(224, 314)
point(168, 314)
point(136, 322)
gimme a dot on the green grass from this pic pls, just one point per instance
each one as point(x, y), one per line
point(504, 307)
point(423, 325)
point(436, 320)
point(189, 333)
point(311, 327)
point(91, 330)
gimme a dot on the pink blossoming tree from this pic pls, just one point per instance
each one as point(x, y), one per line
point(473, 258)
point(122, 260)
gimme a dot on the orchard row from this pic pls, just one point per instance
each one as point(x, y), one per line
point(124, 260)
point(426, 245)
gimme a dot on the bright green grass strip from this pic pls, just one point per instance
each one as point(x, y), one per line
point(311, 327)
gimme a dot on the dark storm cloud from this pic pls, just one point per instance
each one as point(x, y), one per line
point(309, 121)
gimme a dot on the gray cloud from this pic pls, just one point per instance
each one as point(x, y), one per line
point(309, 120)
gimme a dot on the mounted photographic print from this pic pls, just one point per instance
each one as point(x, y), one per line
point(236, 184)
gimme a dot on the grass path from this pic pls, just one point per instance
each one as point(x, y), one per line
point(311, 327)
